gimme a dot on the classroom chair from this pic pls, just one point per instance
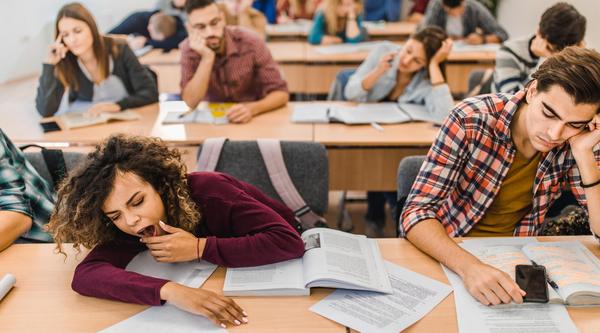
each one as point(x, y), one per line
point(408, 169)
point(36, 158)
point(306, 163)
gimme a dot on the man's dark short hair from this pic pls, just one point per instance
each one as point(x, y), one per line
point(191, 5)
point(576, 70)
point(562, 25)
point(452, 3)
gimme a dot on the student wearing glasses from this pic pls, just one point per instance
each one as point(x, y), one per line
point(222, 63)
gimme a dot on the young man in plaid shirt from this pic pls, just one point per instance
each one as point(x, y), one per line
point(222, 63)
point(501, 160)
point(26, 199)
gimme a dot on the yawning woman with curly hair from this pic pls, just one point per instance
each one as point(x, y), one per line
point(133, 194)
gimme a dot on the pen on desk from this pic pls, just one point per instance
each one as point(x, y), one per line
point(186, 113)
point(377, 126)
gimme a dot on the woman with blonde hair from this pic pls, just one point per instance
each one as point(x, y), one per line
point(133, 194)
point(85, 66)
point(338, 21)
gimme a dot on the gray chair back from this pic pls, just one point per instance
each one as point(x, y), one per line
point(306, 163)
point(408, 169)
point(72, 159)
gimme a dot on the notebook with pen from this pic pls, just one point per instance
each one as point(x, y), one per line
point(177, 112)
point(366, 113)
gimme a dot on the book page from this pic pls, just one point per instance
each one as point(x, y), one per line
point(474, 317)
point(339, 256)
point(506, 257)
point(570, 265)
point(418, 112)
point(177, 112)
point(311, 113)
point(279, 276)
point(365, 113)
point(414, 295)
point(191, 273)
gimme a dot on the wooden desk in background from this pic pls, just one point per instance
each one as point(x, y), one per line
point(396, 31)
point(42, 299)
point(309, 72)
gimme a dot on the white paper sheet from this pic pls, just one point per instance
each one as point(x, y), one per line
point(164, 319)
point(168, 318)
point(347, 48)
point(414, 296)
point(311, 113)
point(514, 318)
point(462, 47)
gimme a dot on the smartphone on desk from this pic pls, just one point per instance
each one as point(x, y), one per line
point(50, 126)
point(533, 280)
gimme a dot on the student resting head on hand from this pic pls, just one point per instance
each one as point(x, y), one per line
point(223, 64)
point(133, 194)
point(338, 21)
point(407, 74)
point(91, 68)
point(501, 160)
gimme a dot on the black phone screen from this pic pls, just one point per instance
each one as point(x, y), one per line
point(532, 279)
point(50, 126)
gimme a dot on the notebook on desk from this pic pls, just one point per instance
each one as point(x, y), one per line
point(347, 48)
point(74, 120)
point(177, 112)
point(365, 113)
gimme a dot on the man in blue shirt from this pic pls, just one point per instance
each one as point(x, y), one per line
point(382, 10)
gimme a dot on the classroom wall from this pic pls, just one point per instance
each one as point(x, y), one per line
point(521, 17)
point(27, 28)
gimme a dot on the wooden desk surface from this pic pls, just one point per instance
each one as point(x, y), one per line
point(386, 29)
point(303, 52)
point(23, 126)
point(275, 125)
point(417, 134)
point(42, 299)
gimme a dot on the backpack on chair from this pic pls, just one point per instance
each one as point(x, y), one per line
point(278, 183)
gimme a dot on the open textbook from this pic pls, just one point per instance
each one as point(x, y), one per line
point(168, 318)
point(414, 296)
point(364, 113)
point(332, 258)
point(177, 112)
point(570, 265)
point(73, 120)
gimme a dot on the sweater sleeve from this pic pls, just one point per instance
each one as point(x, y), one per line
point(258, 234)
point(317, 31)
point(144, 86)
point(354, 90)
point(102, 274)
point(49, 92)
point(439, 102)
point(508, 77)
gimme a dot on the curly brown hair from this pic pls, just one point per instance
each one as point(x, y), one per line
point(78, 215)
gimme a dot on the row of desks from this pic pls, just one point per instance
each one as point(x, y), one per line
point(397, 31)
point(42, 300)
point(307, 71)
point(360, 157)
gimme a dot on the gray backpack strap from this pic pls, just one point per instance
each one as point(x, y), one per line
point(209, 155)
point(270, 149)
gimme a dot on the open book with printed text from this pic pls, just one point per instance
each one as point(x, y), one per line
point(364, 113)
point(570, 265)
point(332, 258)
point(73, 120)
